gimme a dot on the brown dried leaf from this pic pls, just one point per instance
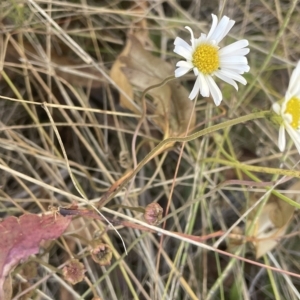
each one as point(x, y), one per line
point(71, 71)
point(171, 106)
point(140, 31)
point(271, 224)
point(20, 237)
point(123, 83)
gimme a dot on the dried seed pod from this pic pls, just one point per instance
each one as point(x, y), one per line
point(101, 253)
point(153, 213)
point(74, 271)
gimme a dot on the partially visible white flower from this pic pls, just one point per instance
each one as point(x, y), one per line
point(289, 111)
point(207, 59)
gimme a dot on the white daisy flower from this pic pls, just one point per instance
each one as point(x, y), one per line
point(207, 59)
point(289, 111)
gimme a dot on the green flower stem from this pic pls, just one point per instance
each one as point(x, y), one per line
point(224, 275)
point(238, 165)
point(198, 134)
point(244, 167)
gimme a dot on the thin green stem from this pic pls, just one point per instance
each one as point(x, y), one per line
point(272, 279)
point(224, 275)
point(162, 144)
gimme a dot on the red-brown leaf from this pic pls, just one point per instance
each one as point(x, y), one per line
point(21, 237)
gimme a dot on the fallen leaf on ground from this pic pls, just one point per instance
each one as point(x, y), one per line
point(140, 31)
point(126, 90)
point(171, 108)
point(271, 224)
point(21, 237)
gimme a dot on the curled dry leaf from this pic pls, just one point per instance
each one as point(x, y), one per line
point(126, 90)
point(140, 31)
point(21, 237)
point(171, 108)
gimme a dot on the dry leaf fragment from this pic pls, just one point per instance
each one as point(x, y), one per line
point(126, 90)
point(171, 107)
point(68, 69)
point(270, 225)
point(140, 31)
point(21, 237)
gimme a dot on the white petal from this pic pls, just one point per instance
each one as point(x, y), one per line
point(180, 42)
point(238, 52)
point(195, 90)
point(215, 91)
point(238, 45)
point(234, 60)
point(202, 39)
point(222, 29)
point(295, 73)
point(225, 32)
point(213, 26)
point(226, 79)
point(184, 64)
point(240, 79)
point(196, 71)
point(219, 29)
point(192, 36)
point(286, 117)
point(281, 138)
point(204, 87)
point(294, 86)
point(183, 52)
point(295, 135)
point(240, 69)
point(232, 75)
point(276, 107)
point(181, 71)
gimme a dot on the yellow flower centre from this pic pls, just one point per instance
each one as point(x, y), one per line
point(206, 58)
point(293, 109)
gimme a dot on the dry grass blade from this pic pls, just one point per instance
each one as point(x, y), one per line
point(111, 136)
